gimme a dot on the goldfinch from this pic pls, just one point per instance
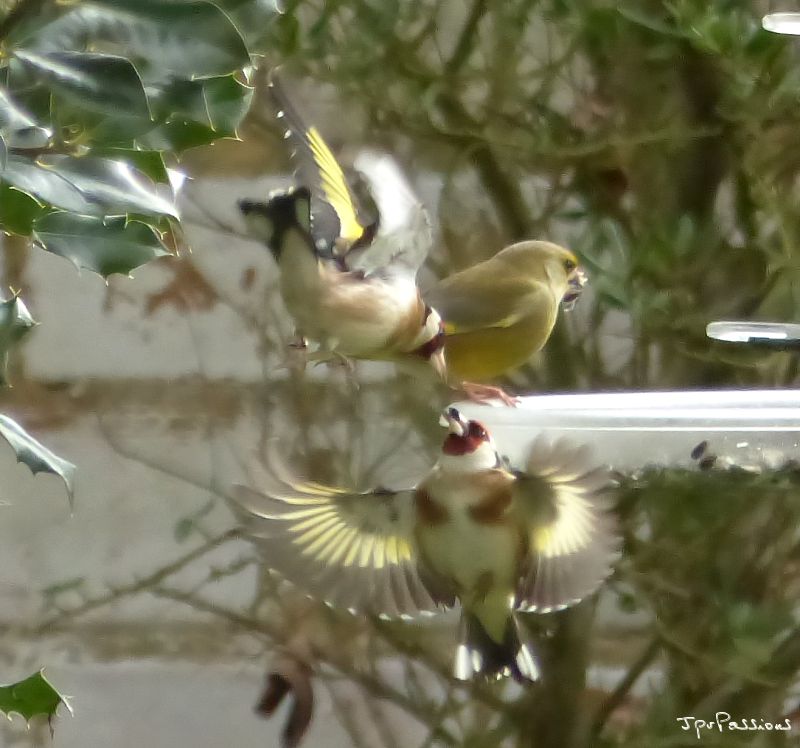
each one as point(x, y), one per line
point(497, 540)
point(378, 315)
point(378, 225)
point(500, 312)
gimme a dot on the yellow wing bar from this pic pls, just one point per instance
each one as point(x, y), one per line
point(334, 185)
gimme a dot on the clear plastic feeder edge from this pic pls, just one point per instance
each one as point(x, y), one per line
point(629, 430)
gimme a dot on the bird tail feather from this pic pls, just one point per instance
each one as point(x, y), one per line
point(479, 654)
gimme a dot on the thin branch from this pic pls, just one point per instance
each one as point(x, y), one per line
point(151, 462)
point(375, 687)
point(466, 40)
point(142, 585)
point(618, 695)
point(346, 716)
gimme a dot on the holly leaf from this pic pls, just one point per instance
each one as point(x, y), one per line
point(36, 456)
point(45, 185)
point(105, 246)
point(15, 323)
point(150, 163)
point(18, 210)
point(30, 698)
point(114, 185)
point(177, 136)
point(99, 82)
point(217, 103)
point(191, 39)
point(18, 127)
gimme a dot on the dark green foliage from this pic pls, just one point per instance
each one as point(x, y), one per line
point(30, 698)
point(95, 98)
point(713, 556)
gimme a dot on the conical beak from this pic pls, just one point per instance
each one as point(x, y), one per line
point(575, 284)
point(452, 421)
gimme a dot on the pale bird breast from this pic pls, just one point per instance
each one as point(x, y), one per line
point(457, 492)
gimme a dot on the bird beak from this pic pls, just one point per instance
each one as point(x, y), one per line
point(439, 364)
point(451, 420)
point(576, 282)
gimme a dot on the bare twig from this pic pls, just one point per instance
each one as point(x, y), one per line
point(143, 585)
point(376, 687)
point(618, 695)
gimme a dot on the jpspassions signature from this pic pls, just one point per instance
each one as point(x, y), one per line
point(722, 721)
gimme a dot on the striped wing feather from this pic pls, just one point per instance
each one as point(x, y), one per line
point(573, 539)
point(353, 550)
point(334, 213)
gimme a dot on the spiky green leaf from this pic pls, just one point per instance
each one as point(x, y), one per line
point(15, 323)
point(99, 82)
point(217, 103)
point(112, 184)
point(46, 185)
point(17, 127)
point(31, 698)
point(36, 456)
point(113, 245)
point(164, 40)
point(18, 210)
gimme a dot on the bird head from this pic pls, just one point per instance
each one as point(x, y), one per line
point(550, 262)
point(468, 446)
point(284, 209)
point(429, 343)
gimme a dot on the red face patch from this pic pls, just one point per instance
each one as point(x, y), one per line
point(463, 445)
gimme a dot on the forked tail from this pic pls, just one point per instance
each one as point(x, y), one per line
point(479, 654)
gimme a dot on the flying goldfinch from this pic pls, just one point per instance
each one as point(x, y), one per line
point(381, 224)
point(353, 302)
point(497, 540)
point(350, 313)
point(500, 312)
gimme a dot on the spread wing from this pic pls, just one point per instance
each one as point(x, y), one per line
point(334, 212)
point(573, 540)
point(353, 550)
point(405, 236)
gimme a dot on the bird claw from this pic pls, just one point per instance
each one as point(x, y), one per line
point(335, 360)
point(483, 393)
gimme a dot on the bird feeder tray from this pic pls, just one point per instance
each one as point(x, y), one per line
point(631, 430)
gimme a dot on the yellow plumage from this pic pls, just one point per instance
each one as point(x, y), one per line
point(500, 312)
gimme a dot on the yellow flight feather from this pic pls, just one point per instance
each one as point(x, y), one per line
point(335, 186)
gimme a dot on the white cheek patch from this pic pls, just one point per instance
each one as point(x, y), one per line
point(433, 324)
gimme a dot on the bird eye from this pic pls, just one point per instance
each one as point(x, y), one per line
point(570, 265)
point(476, 430)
